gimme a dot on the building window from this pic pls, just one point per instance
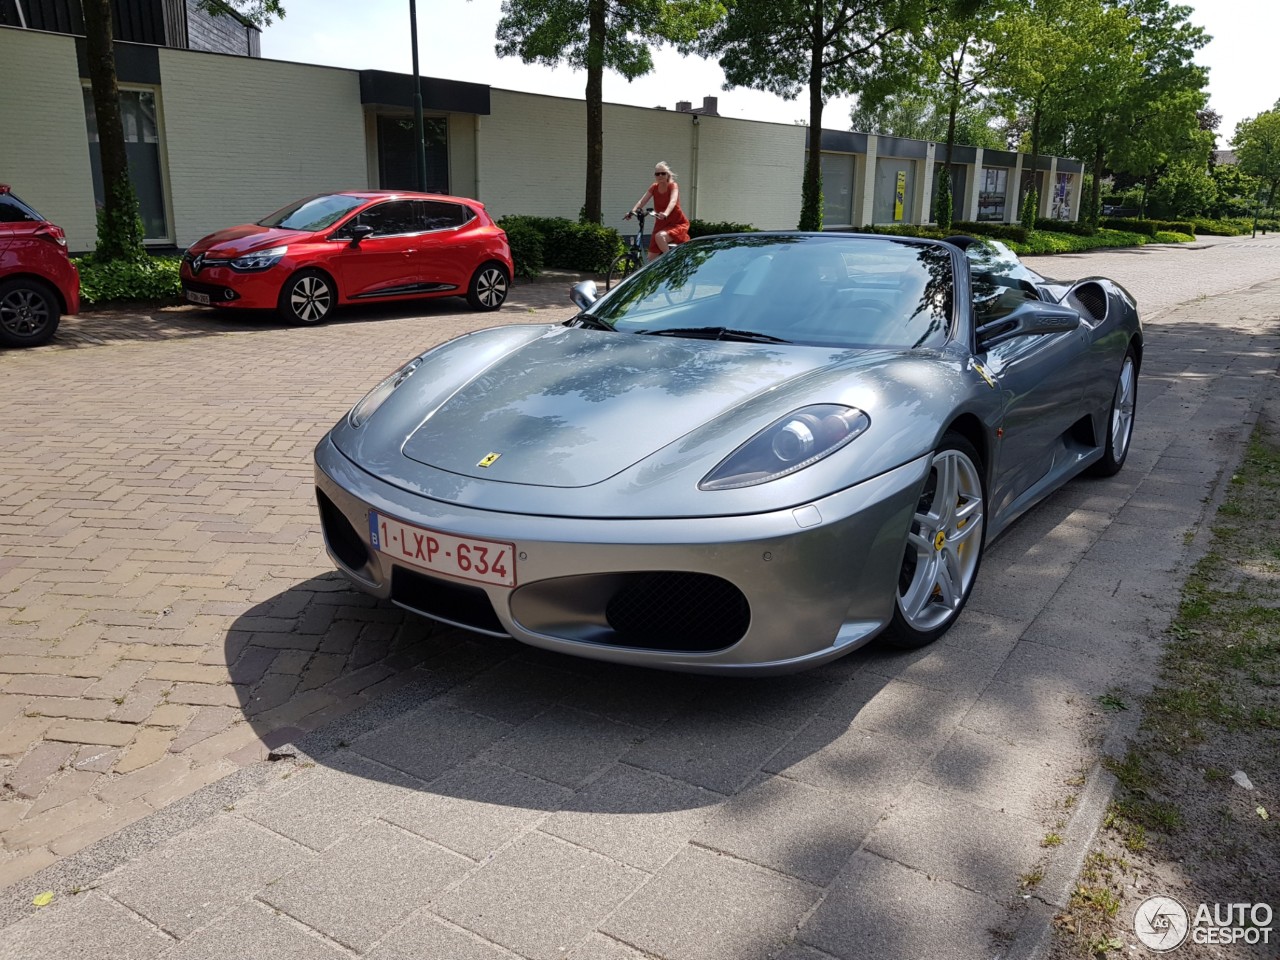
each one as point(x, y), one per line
point(991, 193)
point(1062, 190)
point(142, 147)
point(398, 160)
point(837, 189)
point(895, 189)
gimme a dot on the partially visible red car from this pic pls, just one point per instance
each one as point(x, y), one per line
point(38, 281)
point(342, 248)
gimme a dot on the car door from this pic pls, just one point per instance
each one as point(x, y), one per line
point(1041, 381)
point(381, 264)
point(446, 252)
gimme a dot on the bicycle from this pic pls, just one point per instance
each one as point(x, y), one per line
point(631, 259)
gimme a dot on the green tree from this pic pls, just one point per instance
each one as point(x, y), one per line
point(828, 47)
point(1257, 146)
point(595, 35)
point(119, 225)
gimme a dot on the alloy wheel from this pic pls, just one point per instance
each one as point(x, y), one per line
point(310, 299)
point(24, 312)
point(491, 287)
point(1122, 410)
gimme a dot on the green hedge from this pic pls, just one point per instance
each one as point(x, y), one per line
point(569, 245)
point(1149, 228)
point(1000, 231)
point(526, 247)
point(153, 278)
point(1219, 228)
point(1079, 228)
point(904, 230)
point(706, 228)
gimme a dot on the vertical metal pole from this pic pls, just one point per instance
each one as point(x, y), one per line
point(419, 134)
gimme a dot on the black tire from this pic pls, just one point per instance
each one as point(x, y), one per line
point(307, 297)
point(922, 612)
point(29, 313)
point(623, 266)
point(1120, 419)
point(488, 287)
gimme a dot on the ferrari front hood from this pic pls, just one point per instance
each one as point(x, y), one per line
point(573, 407)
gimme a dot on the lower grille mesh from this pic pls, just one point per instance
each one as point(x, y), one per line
point(678, 611)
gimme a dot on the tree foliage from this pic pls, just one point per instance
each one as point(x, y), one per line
point(1257, 146)
point(598, 35)
point(828, 48)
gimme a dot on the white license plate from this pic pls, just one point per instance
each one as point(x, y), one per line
point(483, 561)
point(198, 297)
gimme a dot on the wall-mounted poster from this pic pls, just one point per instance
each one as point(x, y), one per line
point(1061, 209)
point(900, 195)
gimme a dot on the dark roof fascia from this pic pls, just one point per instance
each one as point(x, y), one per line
point(383, 88)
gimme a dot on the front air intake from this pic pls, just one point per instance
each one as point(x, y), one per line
point(671, 610)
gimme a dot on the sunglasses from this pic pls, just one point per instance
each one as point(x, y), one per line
point(661, 173)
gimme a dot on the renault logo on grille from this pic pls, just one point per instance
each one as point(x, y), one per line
point(197, 263)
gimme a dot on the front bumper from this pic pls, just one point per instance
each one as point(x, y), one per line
point(258, 290)
point(819, 580)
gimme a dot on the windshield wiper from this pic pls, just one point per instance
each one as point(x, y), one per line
point(595, 323)
point(715, 333)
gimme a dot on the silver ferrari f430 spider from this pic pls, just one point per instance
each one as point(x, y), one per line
point(753, 456)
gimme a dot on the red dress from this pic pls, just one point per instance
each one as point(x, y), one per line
point(675, 223)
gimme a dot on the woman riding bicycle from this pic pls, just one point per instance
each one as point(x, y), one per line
point(666, 211)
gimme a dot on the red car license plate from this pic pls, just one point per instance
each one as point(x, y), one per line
point(484, 561)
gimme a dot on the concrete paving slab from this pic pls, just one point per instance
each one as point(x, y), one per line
point(255, 931)
point(347, 790)
point(364, 885)
point(707, 906)
point(564, 746)
point(945, 837)
point(795, 829)
point(636, 817)
point(873, 912)
point(425, 936)
point(707, 749)
point(182, 887)
point(88, 926)
point(425, 743)
point(477, 807)
point(862, 763)
point(566, 893)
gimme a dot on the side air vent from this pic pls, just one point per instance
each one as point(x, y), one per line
point(1091, 300)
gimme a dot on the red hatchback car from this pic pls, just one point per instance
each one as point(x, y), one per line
point(342, 248)
point(38, 281)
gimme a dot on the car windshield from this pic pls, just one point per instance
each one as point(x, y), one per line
point(830, 291)
point(313, 213)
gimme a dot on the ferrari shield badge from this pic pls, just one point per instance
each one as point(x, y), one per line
point(488, 460)
point(982, 372)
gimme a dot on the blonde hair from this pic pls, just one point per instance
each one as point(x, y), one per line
point(663, 165)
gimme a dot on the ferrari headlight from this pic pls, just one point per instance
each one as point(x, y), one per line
point(376, 397)
point(260, 259)
point(799, 439)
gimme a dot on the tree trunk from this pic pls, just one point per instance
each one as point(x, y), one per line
point(1035, 154)
point(119, 204)
point(591, 208)
point(811, 191)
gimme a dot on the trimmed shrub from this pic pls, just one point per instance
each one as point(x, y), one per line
point(942, 206)
point(1077, 227)
point(151, 278)
point(526, 247)
point(568, 245)
point(707, 228)
point(1173, 236)
point(1145, 227)
point(1218, 228)
point(903, 230)
point(1000, 231)
point(1030, 208)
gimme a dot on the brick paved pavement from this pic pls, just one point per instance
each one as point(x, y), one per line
point(169, 615)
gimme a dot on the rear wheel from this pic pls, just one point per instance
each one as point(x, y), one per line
point(488, 287)
point(1120, 421)
point(307, 297)
point(29, 313)
point(944, 547)
point(624, 264)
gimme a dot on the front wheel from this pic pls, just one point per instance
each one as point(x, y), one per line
point(1120, 421)
point(944, 547)
point(623, 266)
point(488, 287)
point(307, 297)
point(29, 313)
